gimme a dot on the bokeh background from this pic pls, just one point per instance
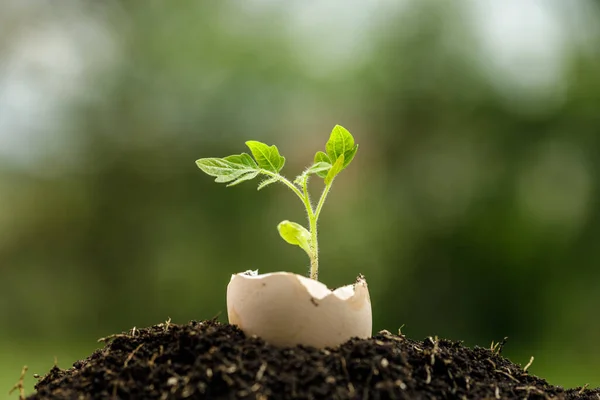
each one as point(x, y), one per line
point(473, 205)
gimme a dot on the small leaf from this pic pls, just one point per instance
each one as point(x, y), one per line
point(318, 167)
point(236, 168)
point(267, 182)
point(322, 157)
point(341, 142)
point(335, 169)
point(267, 157)
point(295, 234)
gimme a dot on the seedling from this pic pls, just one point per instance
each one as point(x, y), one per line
point(339, 152)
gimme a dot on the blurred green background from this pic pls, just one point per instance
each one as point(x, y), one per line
point(472, 207)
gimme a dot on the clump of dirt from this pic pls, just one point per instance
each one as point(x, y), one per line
point(209, 360)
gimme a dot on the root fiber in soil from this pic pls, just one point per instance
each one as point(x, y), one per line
point(209, 360)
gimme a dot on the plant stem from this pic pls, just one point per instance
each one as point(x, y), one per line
point(312, 223)
point(314, 258)
point(313, 216)
point(322, 200)
point(289, 184)
point(309, 210)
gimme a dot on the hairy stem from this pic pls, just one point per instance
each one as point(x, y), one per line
point(309, 210)
point(289, 184)
point(312, 214)
point(314, 258)
point(322, 200)
point(314, 261)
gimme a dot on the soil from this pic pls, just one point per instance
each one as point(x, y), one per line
point(209, 360)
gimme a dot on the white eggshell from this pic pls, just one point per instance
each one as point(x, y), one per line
point(287, 309)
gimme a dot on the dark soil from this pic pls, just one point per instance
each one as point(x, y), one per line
point(209, 360)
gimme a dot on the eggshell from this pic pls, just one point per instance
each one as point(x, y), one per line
point(287, 309)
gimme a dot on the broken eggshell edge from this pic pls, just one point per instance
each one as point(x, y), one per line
point(287, 309)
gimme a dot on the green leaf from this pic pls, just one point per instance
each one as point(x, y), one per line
point(243, 158)
point(235, 169)
point(267, 182)
point(341, 143)
point(349, 155)
point(243, 178)
point(295, 234)
point(335, 169)
point(319, 158)
point(267, 157)
point(322, 157)
point(318, 167)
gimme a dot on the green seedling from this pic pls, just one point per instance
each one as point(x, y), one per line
point(339, 152)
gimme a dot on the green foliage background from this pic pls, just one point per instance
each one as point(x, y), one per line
point(472, 207)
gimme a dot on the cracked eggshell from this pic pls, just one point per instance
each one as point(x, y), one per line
point(287, 309)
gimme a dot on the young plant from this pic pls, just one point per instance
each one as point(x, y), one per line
point(339, 152)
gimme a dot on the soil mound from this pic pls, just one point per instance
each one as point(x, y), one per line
point(209, 360)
